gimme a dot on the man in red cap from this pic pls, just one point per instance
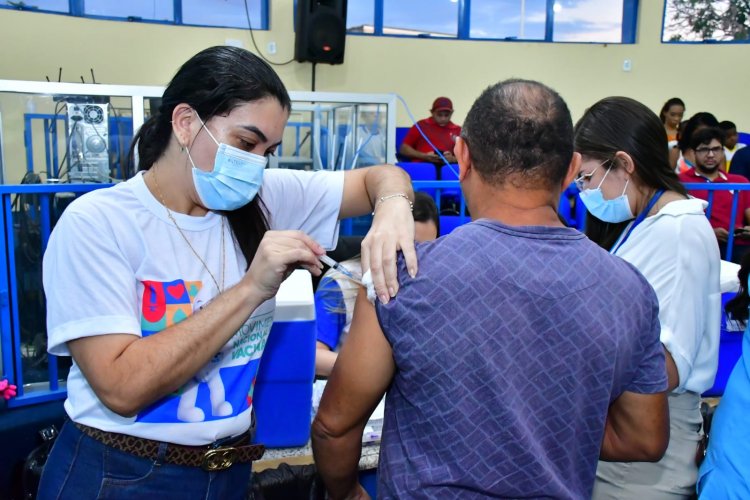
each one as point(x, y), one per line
point(439, 129)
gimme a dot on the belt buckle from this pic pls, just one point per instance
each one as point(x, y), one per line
point(219, 459)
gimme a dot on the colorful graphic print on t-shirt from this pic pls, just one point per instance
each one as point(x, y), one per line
point(223, 388)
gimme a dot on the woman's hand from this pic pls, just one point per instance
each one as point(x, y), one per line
point(279, 253)
point(392, 230)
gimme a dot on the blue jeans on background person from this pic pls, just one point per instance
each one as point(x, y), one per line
point(80, 467)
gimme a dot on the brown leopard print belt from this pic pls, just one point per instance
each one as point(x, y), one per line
point(210, 457)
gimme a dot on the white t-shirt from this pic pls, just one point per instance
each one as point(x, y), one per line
point(116, 263)
point(676, 251)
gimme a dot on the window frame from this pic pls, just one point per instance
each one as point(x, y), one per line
point(76, 9)
point(628, 36)
point(709, 41)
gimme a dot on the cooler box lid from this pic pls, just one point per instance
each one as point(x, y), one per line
point(295, 300)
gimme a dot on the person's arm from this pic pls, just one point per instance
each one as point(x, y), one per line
point(637, 422)
point(743, 208)
point(636, 429)
point(330, 320)
point(362, 373)
point(689, 304)
point(413, 154)
point(128, 372)
point(673, 376)
point(408, 146)
point(722, 234)
point(324, 359)
point(392, 226)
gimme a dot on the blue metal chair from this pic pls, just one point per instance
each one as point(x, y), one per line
point(450, 198)
point(450, 222)
point(420, 172)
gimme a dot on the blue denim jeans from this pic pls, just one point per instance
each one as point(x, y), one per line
point(81, 468)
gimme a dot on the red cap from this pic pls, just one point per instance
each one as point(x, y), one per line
point(442, 103)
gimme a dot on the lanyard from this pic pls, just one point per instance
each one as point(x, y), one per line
point(641, 217)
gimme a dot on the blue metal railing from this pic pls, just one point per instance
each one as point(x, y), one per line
point(51, 148)
point(35, 202)
point(39, 201)
point(735, 189)
point(298, 127)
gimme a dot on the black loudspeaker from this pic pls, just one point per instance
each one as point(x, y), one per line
point(320, 31)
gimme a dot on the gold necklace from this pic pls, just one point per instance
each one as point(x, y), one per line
point(174, 221)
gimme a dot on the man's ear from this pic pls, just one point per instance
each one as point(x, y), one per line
point(573, 170)
point(463, 157)
point(183, 120)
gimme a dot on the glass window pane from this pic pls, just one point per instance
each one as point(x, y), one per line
point(370, 137)
point(360, 16)
point(508, 19)
point(690, 21)
point(50, 5)
point(597, 21)
point(153, 10)
point(229, 13)
point(421, 17)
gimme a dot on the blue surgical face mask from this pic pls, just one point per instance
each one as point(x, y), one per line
point(614, 210)
point(235, 179)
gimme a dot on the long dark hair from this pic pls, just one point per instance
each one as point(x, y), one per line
point(623, 124)
point(675, 101)
point(213, 82)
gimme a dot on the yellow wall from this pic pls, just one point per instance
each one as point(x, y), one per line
point(708, 77)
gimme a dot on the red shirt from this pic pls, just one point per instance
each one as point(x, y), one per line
point(721, 210)
point(444, 138)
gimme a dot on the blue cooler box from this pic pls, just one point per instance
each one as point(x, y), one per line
point(730, 349)
point(283, 389)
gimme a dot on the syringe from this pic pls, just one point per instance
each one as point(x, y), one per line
point(335, 265)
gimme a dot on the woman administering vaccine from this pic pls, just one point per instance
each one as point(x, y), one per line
point(161, 288)
point(641, 212)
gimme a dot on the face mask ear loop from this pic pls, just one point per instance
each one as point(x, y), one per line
point(204, 127)
point(187, 150)
point(184, 149)
point(605, 174)
point(207, 130)
point(625, 188)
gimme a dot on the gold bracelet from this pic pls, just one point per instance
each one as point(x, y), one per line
point(390, 196)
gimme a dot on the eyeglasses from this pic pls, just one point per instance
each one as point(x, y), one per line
point(583, 178)
point(704, 151)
